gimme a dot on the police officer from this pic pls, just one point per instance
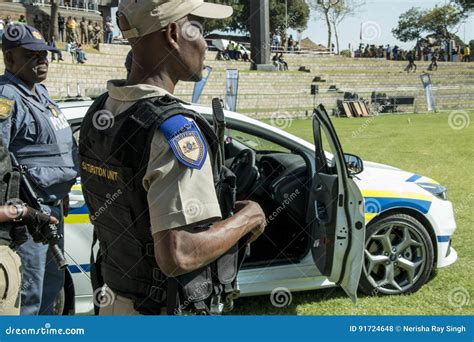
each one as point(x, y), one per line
point(13, 216)
point(35, 130)
point(167, 243)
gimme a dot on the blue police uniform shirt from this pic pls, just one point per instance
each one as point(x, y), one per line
point(37, 132)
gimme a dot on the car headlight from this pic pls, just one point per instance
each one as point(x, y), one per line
point(435, 189)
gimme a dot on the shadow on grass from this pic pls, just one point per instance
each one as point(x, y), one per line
point(262, 305)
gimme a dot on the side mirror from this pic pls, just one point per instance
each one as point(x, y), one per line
point(354, 164)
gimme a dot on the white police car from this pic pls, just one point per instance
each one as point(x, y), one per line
point(319, 231)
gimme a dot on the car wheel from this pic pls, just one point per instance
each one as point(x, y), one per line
point(398, 256)
point(59, 303)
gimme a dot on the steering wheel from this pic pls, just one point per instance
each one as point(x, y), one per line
point(245, 169)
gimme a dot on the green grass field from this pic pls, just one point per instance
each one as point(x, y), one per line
point(440, 146)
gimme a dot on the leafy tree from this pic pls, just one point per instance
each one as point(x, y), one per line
point(409, 25)
point(298, 16)
point(439, 22)
point(467, 5)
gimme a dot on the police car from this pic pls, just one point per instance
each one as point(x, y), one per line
point(333, 219)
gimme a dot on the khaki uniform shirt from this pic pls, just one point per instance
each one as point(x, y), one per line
point(177, 195)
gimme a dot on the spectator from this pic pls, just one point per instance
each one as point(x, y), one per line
point(8, 21)
point(231, 48)
point(467, 54)
point(76, 29)
point(90, 32)
point(81, 55)
point(70, 29)
point(245, 57)
point(52, 43)
point(38, 23)
point(97, 33)
point(109, 31)
point(275, 61)
point(283, 63)
point(434, 62)
point(61, 27)
point(83, 28)
point(291, 43)
point(389, 52)
point(22, 19)
point(411, 62)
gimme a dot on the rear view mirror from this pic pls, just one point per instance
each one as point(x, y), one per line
point(354, 164)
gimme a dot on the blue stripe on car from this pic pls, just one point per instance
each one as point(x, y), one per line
point(443, 238)
point(413, 178)
point(76, 269)
point(377, 205)
point(81, 210)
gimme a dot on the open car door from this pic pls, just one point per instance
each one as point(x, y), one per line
point(336, 210)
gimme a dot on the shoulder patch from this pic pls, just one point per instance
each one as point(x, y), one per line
point(186, 141)
point(6, 108)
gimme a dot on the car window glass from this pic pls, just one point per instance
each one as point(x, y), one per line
point(255, 143)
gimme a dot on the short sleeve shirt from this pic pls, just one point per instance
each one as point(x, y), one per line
point(177, 195)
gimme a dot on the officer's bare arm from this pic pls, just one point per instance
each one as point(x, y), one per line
point(183, 250)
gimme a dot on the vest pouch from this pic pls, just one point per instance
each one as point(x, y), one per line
point(196, 286)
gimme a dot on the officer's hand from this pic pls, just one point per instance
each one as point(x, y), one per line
point(38, 224)
point(256, 215)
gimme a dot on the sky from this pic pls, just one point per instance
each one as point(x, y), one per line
point(377, 18)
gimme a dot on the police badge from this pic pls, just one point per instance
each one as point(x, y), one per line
point(186, 141)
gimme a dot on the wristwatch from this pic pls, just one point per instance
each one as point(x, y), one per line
point(20, 209)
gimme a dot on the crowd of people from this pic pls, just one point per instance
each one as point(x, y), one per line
point(233, 51)
point(420, 53)
point(278, 43)
point(73, 33)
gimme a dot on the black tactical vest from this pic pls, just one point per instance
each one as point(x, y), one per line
point(9, 190)
point(113, 161)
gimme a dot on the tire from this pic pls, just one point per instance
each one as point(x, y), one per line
point(398, 256)
point(59, 303)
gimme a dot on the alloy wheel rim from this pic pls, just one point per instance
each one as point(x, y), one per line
point(395, 256)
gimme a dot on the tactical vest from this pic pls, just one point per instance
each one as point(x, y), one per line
point(113, 162)
point(9, 190)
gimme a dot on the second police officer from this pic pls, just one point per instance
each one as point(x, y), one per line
point(35, 130)
point(149, 175)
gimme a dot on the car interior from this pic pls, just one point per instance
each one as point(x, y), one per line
point(278, 179)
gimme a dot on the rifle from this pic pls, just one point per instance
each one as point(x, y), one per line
point(28, 195)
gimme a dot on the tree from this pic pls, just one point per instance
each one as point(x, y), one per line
point(467, 5)
point(409, 25)
point(53, 24)
point(342, 10)
point(439, 22)
point(323, 8)
point(442, 20)
point(298, 16)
